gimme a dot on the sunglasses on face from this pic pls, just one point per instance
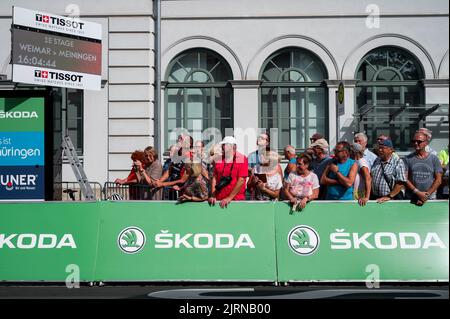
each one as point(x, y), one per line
point(417, 142)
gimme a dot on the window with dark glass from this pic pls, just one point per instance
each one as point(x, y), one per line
point(198, 95)
point(389, 94)
point(293, 96)
point(70, 103)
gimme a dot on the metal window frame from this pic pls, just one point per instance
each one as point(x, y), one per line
point(210, 85)
point(65, 118)
point(212, 120)
point(306, 117)
point(306, 85)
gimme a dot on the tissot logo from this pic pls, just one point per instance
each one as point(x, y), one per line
point(59, 21)
point(42, 18)
point(60, 76)
point(41, 74)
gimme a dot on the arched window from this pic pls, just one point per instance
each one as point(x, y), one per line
point(198, 94)
point(388, 85)
point(293, 97)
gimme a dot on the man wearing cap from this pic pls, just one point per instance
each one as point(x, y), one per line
point(424, 171)
point(361, 139)
point(388, 173)
point(230, 173)
point(320, 161)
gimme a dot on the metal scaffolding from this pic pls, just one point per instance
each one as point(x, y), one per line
point(400, 120)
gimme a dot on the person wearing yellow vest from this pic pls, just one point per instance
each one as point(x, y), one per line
point(443, 157)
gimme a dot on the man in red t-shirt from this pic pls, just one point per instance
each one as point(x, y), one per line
point(230, 174)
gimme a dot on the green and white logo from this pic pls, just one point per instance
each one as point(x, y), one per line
point(131, 240)
point(303, 240)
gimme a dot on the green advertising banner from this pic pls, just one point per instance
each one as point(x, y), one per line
point(396, 241)
point(22, 114)
point(187, 242)
point(48, 241)
point(162, 241)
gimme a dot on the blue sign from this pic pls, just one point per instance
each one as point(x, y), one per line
point(21, 148)
point(22, 182)
point(22, 145)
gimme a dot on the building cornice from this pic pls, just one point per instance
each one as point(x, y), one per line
point(335, 83)
point(246, 84)
point(436, 83)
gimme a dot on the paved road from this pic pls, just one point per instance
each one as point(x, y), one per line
point(222, 292)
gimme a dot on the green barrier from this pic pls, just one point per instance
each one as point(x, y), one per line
point(395, 241)
point(188, 242)
point(40, 241)
point(160, 241)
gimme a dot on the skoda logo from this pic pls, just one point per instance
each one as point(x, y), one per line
point(131, 240)
point(303, 240)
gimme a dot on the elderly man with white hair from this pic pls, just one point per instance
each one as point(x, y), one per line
point(429, 135)
point(361, 139)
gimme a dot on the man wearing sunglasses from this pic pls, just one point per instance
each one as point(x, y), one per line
point(424, 171)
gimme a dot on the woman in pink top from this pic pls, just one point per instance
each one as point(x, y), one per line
point(302, 186)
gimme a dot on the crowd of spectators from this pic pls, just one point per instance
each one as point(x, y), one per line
point(351, 171)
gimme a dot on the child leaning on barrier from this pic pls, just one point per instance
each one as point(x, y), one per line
point(195, 189)
point(303, 185)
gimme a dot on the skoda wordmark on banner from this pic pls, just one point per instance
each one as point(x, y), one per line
point(53, 50)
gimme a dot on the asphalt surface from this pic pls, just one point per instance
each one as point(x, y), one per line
point(221, 292)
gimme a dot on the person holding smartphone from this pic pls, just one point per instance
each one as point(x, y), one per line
point(266, 178)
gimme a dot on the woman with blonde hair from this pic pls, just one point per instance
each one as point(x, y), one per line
point(266, 179)
point(150, 173)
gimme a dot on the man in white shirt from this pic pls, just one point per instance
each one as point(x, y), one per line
point(361, 139)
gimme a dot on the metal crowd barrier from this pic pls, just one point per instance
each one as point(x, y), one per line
point(71, 191)
point(113, 191)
